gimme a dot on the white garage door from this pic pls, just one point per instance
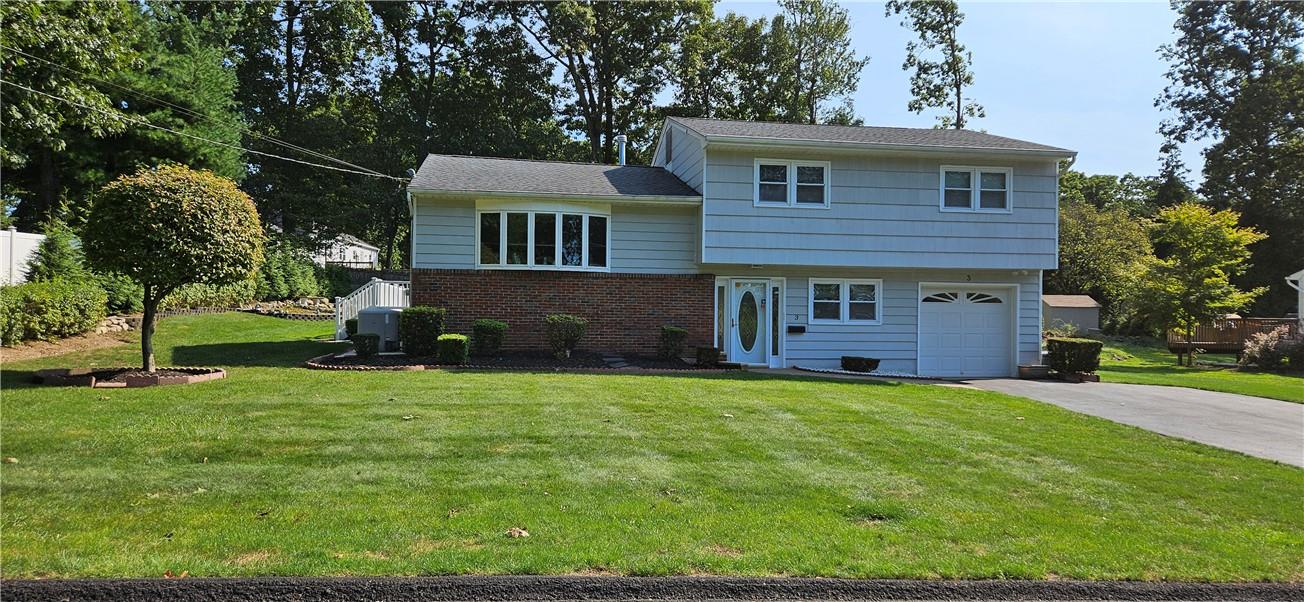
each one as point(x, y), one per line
point(966, 331)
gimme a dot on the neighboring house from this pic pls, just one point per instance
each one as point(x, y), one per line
point(781, 244)
point(16, 251)
point(1079, 311)
point(348, 251)
point(1296, 281)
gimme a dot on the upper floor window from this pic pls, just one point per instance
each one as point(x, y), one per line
point(976, 188)
point(845, 301)
point(781, 182)
point(543, 240)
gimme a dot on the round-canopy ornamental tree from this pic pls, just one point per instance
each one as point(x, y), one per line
point(170, 226)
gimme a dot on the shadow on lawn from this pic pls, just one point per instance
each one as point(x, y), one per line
point(266, 354)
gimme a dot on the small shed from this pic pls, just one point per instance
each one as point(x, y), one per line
point(1080, 311)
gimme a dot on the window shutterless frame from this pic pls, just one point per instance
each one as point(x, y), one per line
point(793, 182)
point(844, 300)
point(556, 234)
point(976, 188)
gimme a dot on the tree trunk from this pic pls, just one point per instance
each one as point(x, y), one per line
point(147, 330)
point(1190, 344)
point(49, 188)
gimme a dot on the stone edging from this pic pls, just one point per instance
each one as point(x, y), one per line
point(289, 316)
point(316, 364)
point(85, 377)
point(868, 374)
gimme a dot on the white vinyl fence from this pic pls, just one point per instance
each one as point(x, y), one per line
point(16, 250)
point(376, 293)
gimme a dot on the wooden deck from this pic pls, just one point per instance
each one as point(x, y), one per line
point(1228, 335)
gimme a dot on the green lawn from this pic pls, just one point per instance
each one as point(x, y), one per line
point(282, 470)
point(1129, 362)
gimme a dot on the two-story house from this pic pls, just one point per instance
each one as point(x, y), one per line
point(781, 244)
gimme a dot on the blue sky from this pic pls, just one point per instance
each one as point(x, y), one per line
point(1079, 75)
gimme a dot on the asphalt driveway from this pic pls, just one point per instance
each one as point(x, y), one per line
point(1266, 428)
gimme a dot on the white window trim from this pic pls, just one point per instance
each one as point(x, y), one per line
point(844, 300)
point(975, 188)
point(792, 165)
point(529, 265)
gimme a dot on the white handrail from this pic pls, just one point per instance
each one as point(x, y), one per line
point(376, 293)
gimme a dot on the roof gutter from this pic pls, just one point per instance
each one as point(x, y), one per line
point(626, 199)
point(753, 141)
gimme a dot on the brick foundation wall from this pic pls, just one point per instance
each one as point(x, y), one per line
point(625, 311)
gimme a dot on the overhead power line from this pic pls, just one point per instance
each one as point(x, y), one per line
point(192, 113)
point(200, 138)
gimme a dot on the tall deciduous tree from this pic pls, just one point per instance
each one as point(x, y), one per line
point(172, 226)
point(1200, 253)
point(89, 40)
point(1237, 76)
point(1100, 253)
point(614, 57)
point(938, 81)
point(810, 50)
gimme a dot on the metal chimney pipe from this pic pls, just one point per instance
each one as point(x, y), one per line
point(620, 143)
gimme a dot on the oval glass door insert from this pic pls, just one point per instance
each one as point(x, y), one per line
point(747, 320)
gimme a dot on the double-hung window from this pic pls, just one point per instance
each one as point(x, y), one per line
point(976, 188)
point(845, 301)
point(543, 240)
point(787, 183)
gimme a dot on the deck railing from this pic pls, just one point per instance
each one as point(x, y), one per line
point(1228, 335)
point(375, 293)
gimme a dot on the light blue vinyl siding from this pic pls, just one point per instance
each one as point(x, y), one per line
point(884, 212)
point(895, 340)
point(644, 239)
point(686, 158)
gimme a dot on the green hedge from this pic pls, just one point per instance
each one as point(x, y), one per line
point(49, 310)
point(287, 273)
point(351, 326)
point(487, 336)
point(671, 343)
point(1066, 355)
point(125, 296)
point(192, 296)
point(451, 349)
point(419, 329)
point(366, 345)
point(564, 332)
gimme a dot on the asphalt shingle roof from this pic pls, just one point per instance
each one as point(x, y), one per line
point(886, 136)
point(456, 173)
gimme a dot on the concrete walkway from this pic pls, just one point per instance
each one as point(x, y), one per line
point(1266, 428)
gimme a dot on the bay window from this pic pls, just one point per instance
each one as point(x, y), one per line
point(543, 240)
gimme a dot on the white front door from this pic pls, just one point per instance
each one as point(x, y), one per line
point(748, 322)
point(966, 331)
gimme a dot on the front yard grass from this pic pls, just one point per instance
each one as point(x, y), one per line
point(285, 471)
point(1131, 362)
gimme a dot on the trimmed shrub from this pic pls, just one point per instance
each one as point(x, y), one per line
point(1268, 350)
point(1295, 356)
point(451, 349)
point(671, 344)
point(708, 356)
point(366, 345)
point(50, 310)
point(852, 363)
point(125, 296)
point(419, 329)
point(351, 326)
point(193, 296)
point(1068, 356)
point(487, 336)
point(564, 332)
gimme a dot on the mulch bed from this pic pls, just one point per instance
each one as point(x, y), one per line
point(126, 377)
point(507, 360)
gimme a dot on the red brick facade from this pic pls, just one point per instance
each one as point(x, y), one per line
point(625, 311)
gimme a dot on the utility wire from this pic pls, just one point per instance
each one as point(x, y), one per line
point(191, 113)
point(200, 138)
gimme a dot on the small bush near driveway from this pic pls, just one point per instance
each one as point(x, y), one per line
point(564, 332)
point(1070, 356)
point(451, 349)
point(419, 329)
point(487, 336)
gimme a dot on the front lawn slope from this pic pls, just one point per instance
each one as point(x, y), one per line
point(285, 471)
